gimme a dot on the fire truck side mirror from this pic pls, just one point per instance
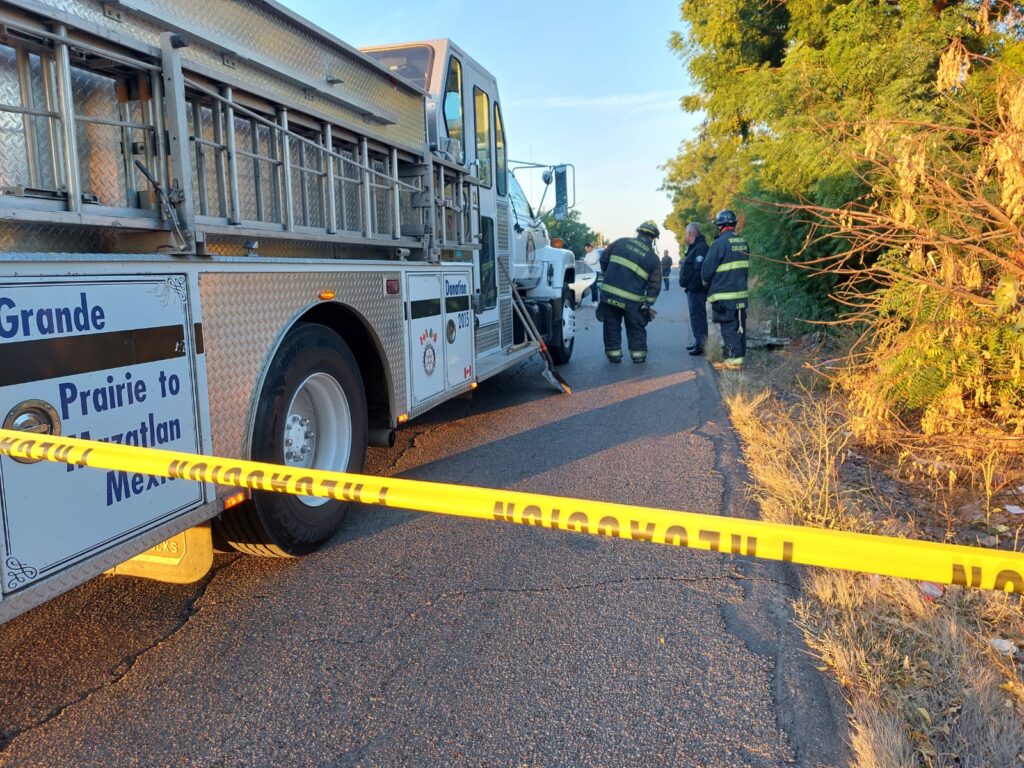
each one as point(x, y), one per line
point(561, 193)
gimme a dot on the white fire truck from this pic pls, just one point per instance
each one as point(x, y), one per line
point(225, 231)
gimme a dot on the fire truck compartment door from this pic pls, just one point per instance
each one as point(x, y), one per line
point(426, 336)
point(458, 329)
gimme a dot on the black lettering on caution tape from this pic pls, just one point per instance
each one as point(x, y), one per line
point(504, 512)
point(279, 482)
point(354, 492)
point(647, 534)
point(960, 576)
point(46, 450)
point(532, 515)
point(1007, 580)
point(737, 545)
point(677, 535)
point(578, 521)
point(255, 480)
point(1011, 579)
point(711, 537)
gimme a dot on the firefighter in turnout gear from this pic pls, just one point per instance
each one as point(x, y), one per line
point(632, 281)
point(724, 272)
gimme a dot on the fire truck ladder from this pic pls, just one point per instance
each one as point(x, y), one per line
point(95, 136)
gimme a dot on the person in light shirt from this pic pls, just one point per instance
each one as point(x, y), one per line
point(592, 258)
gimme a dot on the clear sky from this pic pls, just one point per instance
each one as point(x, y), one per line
point(587, 82)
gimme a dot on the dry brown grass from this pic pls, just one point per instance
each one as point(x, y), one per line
point(924, 685)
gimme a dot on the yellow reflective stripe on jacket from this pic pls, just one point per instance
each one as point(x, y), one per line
point(630, 265)
point(733, 265)
point(614, 291)
point(729, 296)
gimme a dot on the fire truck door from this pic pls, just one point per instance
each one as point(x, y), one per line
point(458, 329)
point(426, 336)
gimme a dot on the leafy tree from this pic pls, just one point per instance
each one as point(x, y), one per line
point(574, 233)
point(877, 144)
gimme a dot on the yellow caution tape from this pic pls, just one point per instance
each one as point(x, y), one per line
point(884, 555)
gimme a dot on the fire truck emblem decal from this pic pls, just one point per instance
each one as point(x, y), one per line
point(427, 340)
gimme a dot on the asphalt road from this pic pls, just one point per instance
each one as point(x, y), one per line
point(416, 640)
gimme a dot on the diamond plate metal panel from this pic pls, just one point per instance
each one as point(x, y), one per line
point(100, 162)
point(244, 319)
point(200, 202)
point(307, 190)
point(268, 173)
point(204, 163)
point(271, 248)
point(314, 159)
point(42, 125)
point(44, 238)
point(246, 170)
point(13, 153)
point(266, 35)
point(382, 208)
point(411, 218)
point(346, 197)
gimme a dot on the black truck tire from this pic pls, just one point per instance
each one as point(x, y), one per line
point(311, 414)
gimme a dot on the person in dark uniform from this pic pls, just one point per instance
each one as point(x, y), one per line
point(693, 284)
point(724, 273)
point(632, 281)
point(666, 268)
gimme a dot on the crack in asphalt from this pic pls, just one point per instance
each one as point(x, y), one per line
point(120, 670)
point(718, 446)
point(461, 594)
point(757, 642)
point(772, 643)
point(393, 673)
point(400, 453)
point(767, 579)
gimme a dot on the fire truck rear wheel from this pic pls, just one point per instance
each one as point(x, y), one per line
point(311, 415)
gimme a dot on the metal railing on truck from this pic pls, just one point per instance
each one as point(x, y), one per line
point(79, 116)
